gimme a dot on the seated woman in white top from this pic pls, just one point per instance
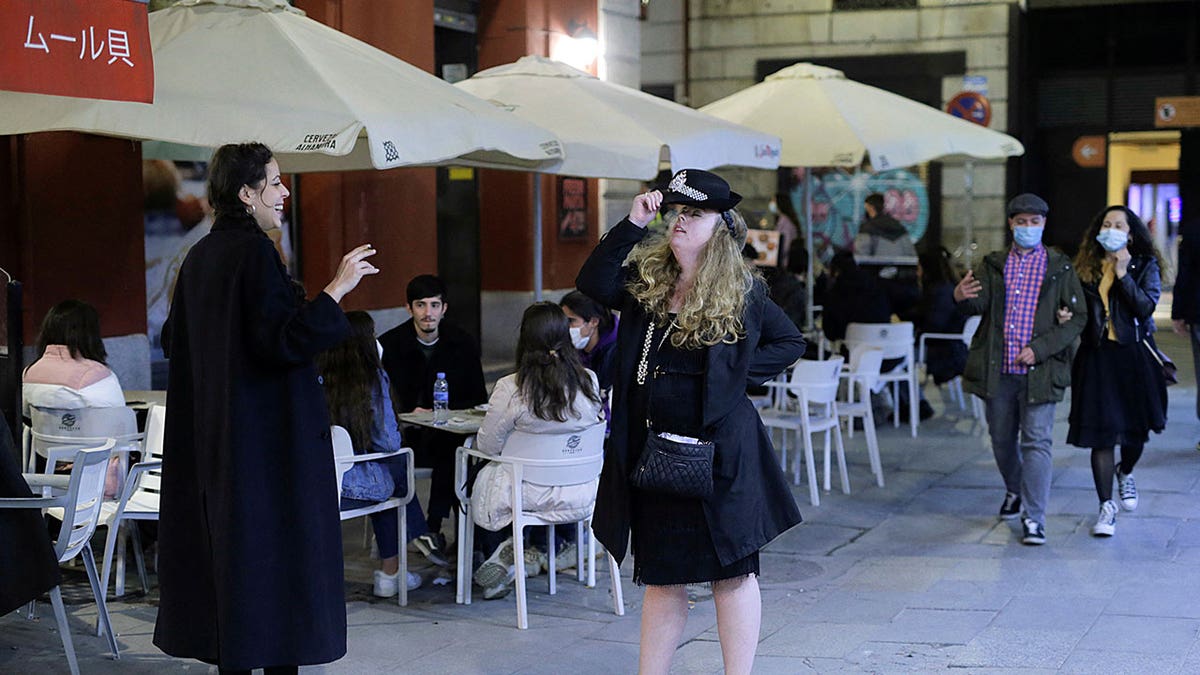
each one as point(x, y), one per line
point(551, 393)
point(70, 371)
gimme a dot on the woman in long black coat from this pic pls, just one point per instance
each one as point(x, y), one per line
point(696, 329)
point(250, 553)
point(28, 566)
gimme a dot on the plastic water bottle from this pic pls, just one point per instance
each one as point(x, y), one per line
point(441, 400)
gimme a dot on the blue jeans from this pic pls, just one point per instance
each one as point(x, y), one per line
point(384, 523)
point(1026, 466)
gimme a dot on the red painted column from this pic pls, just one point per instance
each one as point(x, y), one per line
point(71, 226)
point(395, 210)
point(508, 30)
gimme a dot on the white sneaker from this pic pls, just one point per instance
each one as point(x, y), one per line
point(1106, 522)
point(535, 561)
point(499, 568)
point(567, 558)
point(1127, 489)
point(388, 585)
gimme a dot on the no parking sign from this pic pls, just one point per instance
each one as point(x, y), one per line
point(971, 106)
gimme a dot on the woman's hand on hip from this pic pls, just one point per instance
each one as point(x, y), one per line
point(351, 270)
point(645, 208)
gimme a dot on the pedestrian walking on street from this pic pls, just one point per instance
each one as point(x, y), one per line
point(1185, 303)
point(697, 327)
point(1019, 361)
point(1118, 393)
point(250, 543)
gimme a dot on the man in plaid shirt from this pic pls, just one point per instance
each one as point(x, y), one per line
point(1020, 358)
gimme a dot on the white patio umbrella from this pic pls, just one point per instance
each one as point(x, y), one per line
point(612, 131)
point(825, 119)
point(237, 70)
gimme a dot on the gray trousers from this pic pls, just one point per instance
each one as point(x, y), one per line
point(1025, 462)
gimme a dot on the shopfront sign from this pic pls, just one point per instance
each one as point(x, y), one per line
point(1090, 152)
point(81, 48)
point(1177, 111)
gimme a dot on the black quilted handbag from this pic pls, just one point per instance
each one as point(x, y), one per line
point(674, 467)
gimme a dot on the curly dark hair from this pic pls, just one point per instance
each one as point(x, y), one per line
point(1091, 254)
point(350, 372)
point(549, 372)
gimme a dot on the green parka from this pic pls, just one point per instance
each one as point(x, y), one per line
point(1053, 343)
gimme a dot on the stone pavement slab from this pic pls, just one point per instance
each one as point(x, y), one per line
point(916, 576)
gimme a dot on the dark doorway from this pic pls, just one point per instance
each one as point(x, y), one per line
point(456, 57)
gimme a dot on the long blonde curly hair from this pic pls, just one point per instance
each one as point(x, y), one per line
point(713, 307)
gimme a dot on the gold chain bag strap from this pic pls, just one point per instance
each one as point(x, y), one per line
point(670, 464)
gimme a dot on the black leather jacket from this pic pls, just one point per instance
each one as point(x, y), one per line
point(1131, 302)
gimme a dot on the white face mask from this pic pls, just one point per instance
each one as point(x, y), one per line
point(578, 339)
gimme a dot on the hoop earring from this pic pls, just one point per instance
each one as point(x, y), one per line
point(251, 211)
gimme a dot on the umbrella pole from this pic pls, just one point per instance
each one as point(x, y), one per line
point(969, 192)
point(812, 252)
point(537, 237)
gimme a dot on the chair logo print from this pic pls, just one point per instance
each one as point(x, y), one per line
point(68, 421)
point(573, 444)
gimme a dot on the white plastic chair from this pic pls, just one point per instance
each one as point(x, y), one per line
point(813, 383)
point(551, 460)
point(56, 433)
point(862, 378)
point(896, 341)
point(344, 458)
point(954, 386)
point(139, 501)
point(81, 510)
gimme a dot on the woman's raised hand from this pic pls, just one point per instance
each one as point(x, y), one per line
point(351, 270)
point(645, 207)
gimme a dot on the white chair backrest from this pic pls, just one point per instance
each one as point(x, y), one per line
point(865, 362)
point(585, 447)
point(80, 426)
point(85, 494)
point(156, 422)
point(895, 339)
point(818, 379)
point(970, 327)
point(343, 449)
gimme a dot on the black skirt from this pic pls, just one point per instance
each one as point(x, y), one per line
point(1118, 395)
point(672, 543)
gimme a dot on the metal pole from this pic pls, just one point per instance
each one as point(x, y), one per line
point(537, 237)
point(812, 252)
point(969, 223)
point(15, 340)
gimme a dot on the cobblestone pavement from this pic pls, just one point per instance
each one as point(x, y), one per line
point(916, 576)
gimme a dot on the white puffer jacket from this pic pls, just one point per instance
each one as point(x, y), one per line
point(490, 497)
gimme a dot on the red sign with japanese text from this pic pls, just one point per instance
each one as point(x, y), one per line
point(82, 48)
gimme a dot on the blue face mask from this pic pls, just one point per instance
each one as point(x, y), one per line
point(1028, 237)
point(1112, 239)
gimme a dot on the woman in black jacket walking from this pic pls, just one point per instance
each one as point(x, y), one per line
point(1118, 394)
point(696, 328)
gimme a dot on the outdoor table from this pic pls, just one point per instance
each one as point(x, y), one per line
point(144, 398)
point(466, 423)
